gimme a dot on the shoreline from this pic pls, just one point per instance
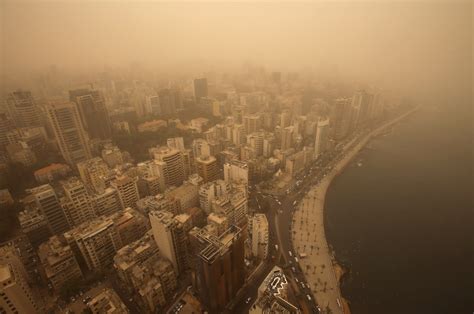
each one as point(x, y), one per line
point(313, 205)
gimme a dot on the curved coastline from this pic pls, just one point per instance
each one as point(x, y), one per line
point(321, 263)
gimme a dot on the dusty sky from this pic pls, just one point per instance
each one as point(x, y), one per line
point(391, 42)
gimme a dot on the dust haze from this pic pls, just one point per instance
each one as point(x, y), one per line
point(422, 48)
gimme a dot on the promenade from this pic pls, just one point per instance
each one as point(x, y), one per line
point(308, 234)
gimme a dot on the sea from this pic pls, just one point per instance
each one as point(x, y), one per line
point(399, 218)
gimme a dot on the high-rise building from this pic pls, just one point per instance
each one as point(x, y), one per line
point(23, 109)
point(76, 203)
point(268, 145)
point(186, 195)
point(171, 165)
point(200, 88)
point(130, 225)
point(93, 173)
point(132, 254)
point(34, 225)
point(255, 140)
point(48, 202)
point(167, 101)
point(219, 266)
point(233, 205)
point(155, 281)
point(238, 134)
point(6, 125)
point(217, 222)
point(127, 189)
point(210, 191)
point(146, 273)
point(93, 111)
point(236, 171)
point(153, 103)
point(207, 168)
point(252, 123)
point(285, 119)
point(322, 138)
point(171, 236)
point(201, 148)
point(287, 135)
point(107, 202)
point(176, 143)
point(95, 242)
point(260, 236)
point(16, 296)
point(341, 118)
point(68, 129)
point(362, 103)
point(59, 263)
point(296, 162)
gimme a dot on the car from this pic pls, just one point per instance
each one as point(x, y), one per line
point(248, 300)
point(293, 269)
point(289, 252)
point(303, 285)
point(296, 279)
point(308, 297)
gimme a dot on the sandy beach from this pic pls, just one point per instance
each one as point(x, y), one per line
point(308, 235)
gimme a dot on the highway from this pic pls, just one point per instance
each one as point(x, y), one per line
point(279, 212)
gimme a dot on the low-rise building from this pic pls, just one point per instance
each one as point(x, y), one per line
point(273, 295)
point(112, 156)
point(21, 153)
point(107, 302)
point(152, 126)
point(52, 172)
point(5, 198)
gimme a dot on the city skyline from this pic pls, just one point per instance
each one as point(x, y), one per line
point(208, 157)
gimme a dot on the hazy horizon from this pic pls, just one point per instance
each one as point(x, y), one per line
point(412, 46)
